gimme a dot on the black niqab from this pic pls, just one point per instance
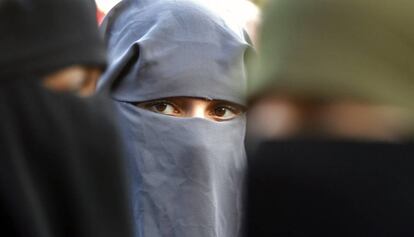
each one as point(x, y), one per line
point(60, 166)
point(331, 188)
point(60, 169)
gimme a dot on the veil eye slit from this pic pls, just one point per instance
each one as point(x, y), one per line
point(224, 112)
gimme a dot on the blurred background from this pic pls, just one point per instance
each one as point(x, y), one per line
point(246, 12)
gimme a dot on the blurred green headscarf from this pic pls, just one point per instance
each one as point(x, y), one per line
point(338, 48)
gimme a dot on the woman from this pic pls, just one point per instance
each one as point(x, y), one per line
point(56, 149)
point(333, 97)
point(177, 78)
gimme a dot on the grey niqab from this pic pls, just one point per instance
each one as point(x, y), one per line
point(187, 173)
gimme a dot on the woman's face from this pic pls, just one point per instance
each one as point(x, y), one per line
point(189, 107)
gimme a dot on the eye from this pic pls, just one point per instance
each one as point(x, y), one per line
point(162, 107)
point(225, 112)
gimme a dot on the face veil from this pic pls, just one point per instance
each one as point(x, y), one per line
point(60, 167)
point(186, 173)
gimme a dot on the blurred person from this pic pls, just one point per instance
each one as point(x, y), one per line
point(332, 120)
point(177, 78)
point(346, 76)
point(60, 167)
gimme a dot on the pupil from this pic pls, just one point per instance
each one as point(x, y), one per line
point(220, 111)
point(161, 107)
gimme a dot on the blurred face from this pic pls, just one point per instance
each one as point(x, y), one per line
point(188, 107)
point(77, 79)
point(286, 117)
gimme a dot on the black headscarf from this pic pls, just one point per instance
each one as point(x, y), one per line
point(40, 36)
point(60, 166)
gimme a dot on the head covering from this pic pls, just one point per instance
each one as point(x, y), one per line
point(166, 48)
point(187, 173)
point(345, 48)
point(42, 36)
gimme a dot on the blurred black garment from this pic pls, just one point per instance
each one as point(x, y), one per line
point(60, 167)
point(331, 188)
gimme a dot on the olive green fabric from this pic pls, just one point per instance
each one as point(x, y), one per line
point(360, 49)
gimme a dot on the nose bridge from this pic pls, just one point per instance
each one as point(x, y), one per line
point(198, 111)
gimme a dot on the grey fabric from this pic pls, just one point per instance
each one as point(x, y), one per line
point(173, 48)
point(187, 173)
